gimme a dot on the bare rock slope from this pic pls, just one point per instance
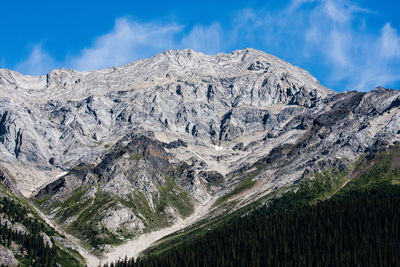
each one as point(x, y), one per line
point(113, 153)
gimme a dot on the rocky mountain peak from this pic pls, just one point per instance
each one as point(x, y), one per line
point(61, 119)
point(139, 146)
point(280, 80)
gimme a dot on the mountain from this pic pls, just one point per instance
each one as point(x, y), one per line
point(116, 153)
point(332, 220)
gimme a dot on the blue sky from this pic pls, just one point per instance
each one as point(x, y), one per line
point(346, 45)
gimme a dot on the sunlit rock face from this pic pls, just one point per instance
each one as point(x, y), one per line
point(181, 123)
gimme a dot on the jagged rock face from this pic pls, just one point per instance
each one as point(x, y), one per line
point(204, 120)
point(350, 124)
point(7, 257)
point(61, 119)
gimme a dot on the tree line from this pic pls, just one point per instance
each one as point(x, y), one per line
point(359, 227)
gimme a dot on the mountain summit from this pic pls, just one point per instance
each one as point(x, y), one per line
point(63, 116)
point(113, 153)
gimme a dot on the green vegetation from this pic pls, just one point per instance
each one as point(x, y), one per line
point(316, 223)
point(356, 234)
point(323, 186)
point(30, 247)
point(40, 202)
point(135, 157)
point(139, 205)
point(73, 205)
point(384, 167)
point(14, 211)
point(243, 185)
point(87, 226)
point(64, 258)
point(89, 211)
point(307, 192)
point(171, 194)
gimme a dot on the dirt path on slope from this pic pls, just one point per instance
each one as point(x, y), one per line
point(133, 247)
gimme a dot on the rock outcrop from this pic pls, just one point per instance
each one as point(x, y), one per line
point(175, 130)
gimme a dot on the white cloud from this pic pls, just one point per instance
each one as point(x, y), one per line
point(38, 62)
point(340, 11)
point(128, 41)
point(389, 42)
point(382, 59)
point(336, 13)
point(325, 33)
point(295, 4)
point(362, 60)
point(204, 39)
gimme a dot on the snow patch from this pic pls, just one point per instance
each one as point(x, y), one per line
point(218, 148)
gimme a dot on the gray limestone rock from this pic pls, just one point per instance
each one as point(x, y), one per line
point(205, 121)
point(7, 257)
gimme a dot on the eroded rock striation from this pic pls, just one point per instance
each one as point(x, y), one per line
point(123, 150)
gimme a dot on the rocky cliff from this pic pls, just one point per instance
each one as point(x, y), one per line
point(117, 152)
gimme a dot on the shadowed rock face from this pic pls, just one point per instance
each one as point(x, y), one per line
point(57, 121)
point(134, 160)
point(205, 121)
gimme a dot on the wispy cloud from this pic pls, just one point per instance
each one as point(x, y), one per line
point(37, 63)
point(381, 64)
point(358, 59)
point(204, 39)
point(295, 4)
point(128, 41)
point(389, 42)
point(332, 33)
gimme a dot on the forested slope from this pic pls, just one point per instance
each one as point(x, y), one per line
point(26, 240)
point(316, 224)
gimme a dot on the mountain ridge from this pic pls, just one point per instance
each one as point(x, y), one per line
point(49, 90)
point(149, 142)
